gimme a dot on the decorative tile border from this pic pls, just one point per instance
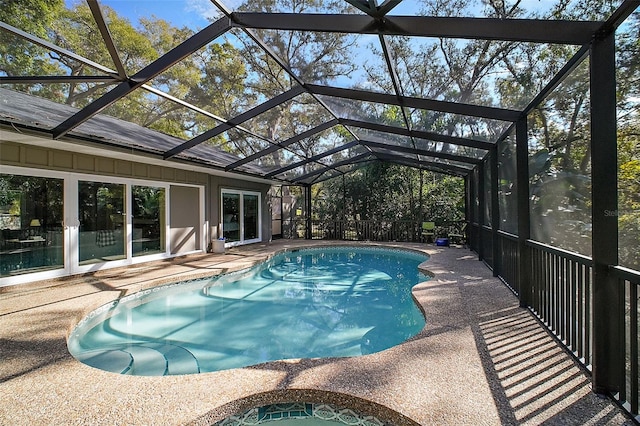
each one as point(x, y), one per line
point(283, 411)
point(357, 249)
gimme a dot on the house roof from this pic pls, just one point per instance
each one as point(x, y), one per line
point(38, 113)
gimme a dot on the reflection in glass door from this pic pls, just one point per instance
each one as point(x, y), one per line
point(31, 212)
point(231, 216)
point(250, 216)
point(275, 201)
point(241, 222)
point(102, 215)
point(148, 220)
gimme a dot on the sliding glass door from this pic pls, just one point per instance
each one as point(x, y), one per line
point(53, 223)
point(102, 215)
point(241, 218)
point(250, 216)
point(31, 218)
point(231, 215)
point(148, 220)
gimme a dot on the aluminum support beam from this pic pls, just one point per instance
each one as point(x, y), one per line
point(524, 214)
point(433, 169)
point(307, 207)
point(567, 69)
point(467, 207)
point(473, 190)
point(59, 79)
point(391, 69)
point(481, 200)
point(435, 137)
point(411, 102)
point(418, 163)
point(158, 66)
point(422, 152)
point(355, 166)
point(171, 98)
point(106, 36)
point(387, 6)
point(312, 159)
point(284, 144)
point(253, 112)
point(59, 50)
point(495, 212)
point(426, 166)
point(520, 30)
point(608, 307)
point(271, 53)
point(616, 18)
point(338, 164)
point(362, 6)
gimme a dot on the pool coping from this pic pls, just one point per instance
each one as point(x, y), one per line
point(444, 375)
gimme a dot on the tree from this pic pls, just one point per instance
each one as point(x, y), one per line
point(628, 84)
point(385, 192)
point(20, 57)
point(311, 57)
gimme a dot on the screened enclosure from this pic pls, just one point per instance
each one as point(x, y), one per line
point(533, 105)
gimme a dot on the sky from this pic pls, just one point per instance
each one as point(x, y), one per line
point(195, 14)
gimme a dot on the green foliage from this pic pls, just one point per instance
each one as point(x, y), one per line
point(30, 197)
point(629, 195)
point(385, 192)
point(18, 56)
point(148, 202)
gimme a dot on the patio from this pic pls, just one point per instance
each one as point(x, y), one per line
point(481, 358)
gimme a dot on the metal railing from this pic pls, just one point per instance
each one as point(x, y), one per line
point(364, 230)
point(629, 390)
point(474, 237)
point(509, 253)
point(486, 242)
point(561, 296)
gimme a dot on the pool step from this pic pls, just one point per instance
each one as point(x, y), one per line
point(179, 359)
point(144, 359)
point(115, 361)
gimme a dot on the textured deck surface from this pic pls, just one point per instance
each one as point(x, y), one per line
point(480, 360)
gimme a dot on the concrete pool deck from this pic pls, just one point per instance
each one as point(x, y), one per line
point(480, 360)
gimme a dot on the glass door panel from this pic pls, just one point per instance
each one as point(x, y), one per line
point(250, 217)
point(275, 201)
point(231, 216)
point(148, 220)
point(241, 220)
point(31, 212)
point(102, 216)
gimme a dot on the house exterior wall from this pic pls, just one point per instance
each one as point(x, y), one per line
point(184, 223)
point(194, 196)
point(16, 154)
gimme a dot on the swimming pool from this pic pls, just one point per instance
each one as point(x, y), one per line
point(309, 303)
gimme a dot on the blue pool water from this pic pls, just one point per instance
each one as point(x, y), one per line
point(329, 302)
